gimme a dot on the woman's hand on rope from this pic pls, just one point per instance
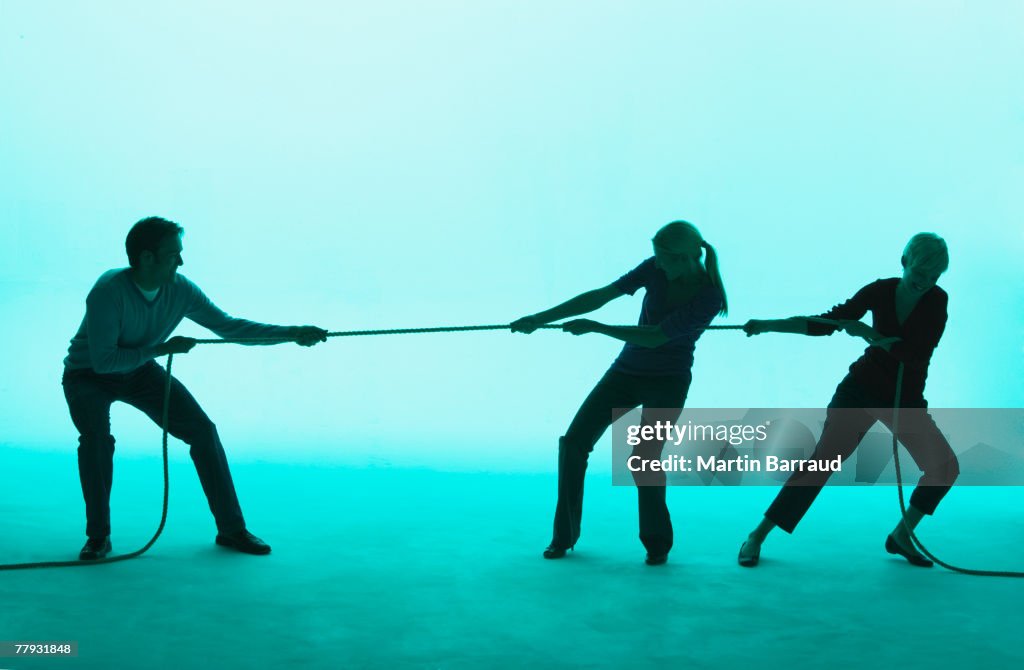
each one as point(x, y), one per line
point(867, 333)
point(859, 329)
point(756, 327)
point(885, 342)
point(526, 325)
point(580, 326)
point(307, 336)
point(176, 345)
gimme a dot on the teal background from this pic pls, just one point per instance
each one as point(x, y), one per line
point(393, 164)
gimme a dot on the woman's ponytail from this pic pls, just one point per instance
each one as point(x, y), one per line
point(711, 265)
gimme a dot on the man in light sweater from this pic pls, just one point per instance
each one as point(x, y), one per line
point(129, 315)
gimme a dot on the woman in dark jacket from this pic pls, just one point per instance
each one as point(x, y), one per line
point(909, 316)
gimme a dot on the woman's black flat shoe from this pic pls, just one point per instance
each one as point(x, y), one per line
point(749, 561)
point(914, 558)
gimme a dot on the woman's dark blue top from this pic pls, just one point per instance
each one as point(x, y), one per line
point(683, 323)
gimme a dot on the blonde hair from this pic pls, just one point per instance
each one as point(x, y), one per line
point(683, 234)
point(928, 252)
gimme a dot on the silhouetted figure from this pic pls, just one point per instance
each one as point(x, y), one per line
point(653, 370)
point(129, 315)
point(909, 316)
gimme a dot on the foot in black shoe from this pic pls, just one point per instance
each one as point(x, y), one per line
point(555, 551)
point(95, 548)
point(749, 559)
point(245, 542)
point(656, 559)
point(912, 556)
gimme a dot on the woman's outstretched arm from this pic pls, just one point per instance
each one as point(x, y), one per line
point(581, 304)
point(795, 324)
point(641, 336)
point(799, 326)
point(686, 322)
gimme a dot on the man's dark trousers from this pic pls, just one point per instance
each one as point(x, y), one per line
point(89, 396)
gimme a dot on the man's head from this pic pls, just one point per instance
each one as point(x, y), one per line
point(154, 250)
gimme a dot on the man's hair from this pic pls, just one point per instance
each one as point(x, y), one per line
point(147, 234)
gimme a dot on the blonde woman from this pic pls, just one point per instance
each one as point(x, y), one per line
point(909, 316)
point(682, 296)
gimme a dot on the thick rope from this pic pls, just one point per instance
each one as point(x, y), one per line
point(253, 340)
point(399, 331)
point(903, 506)
point(163, 513)
point(403, 331)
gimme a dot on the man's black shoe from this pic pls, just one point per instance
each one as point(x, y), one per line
point(245, 542)
point(95, 547)
point(656, 559)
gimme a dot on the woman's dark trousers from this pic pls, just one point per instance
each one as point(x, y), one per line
point(615, 394)
point(851, 413)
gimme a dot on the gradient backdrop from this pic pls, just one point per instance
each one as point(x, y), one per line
point(385, 164)
point(399, 164)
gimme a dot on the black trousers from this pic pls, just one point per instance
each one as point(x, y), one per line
point(662, 400)
point(89, 396)
point(851, 413)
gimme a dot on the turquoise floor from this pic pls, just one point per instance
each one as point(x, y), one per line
point(393, 568)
